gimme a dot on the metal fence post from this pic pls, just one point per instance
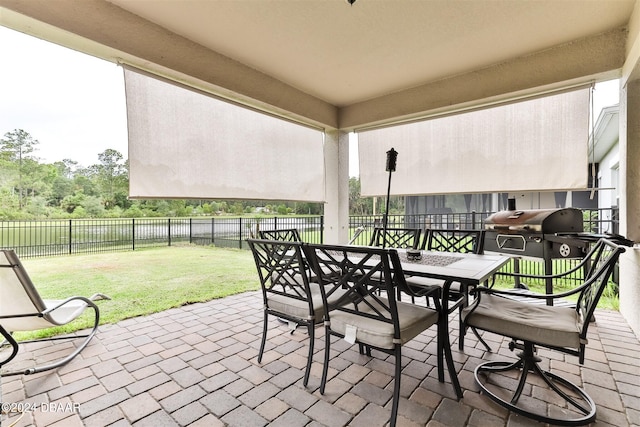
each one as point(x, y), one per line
point(240, 233)
point(169, 230)
point(190, 230)
point(133, 234)
point(321, 229)
point(70, 234)
point(213, 231)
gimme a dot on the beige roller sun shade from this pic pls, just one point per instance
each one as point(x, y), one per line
point(186, 144)
point(533, 145)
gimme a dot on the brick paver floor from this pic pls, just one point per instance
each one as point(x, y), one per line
point(197, 365)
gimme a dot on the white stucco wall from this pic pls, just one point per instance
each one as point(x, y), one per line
point(336, 209)
point(630, 288)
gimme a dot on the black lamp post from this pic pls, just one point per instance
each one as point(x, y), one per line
point(392, 156)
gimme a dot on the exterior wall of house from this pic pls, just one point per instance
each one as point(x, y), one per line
point(609, 178)
point(630, 202)
point(535, 200)
point(460, 203)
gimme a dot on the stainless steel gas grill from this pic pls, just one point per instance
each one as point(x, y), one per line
point(536, 233)
point(539, 233)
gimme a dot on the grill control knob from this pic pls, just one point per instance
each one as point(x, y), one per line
point(565, 250)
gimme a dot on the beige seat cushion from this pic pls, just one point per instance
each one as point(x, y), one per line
point(299, 308)
point(554, 326)
point(413, 320)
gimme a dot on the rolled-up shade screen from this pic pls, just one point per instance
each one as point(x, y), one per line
point(534, 145)
point(186, 144)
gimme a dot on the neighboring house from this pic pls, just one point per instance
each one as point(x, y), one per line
point(605, 153)
point(603, 160)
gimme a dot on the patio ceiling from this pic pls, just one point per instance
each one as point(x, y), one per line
point(333, 65)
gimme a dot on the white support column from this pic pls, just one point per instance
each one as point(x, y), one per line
point(630, 201)
point(630, 160)
point(336, 210)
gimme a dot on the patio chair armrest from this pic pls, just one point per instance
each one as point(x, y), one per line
point(86, 300)
point(424, 291)
point(545, 276)
point(507, 292)
point(478, 290)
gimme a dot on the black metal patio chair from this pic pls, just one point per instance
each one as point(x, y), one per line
point(530, 326)
point(287, 290)
point(368, 313)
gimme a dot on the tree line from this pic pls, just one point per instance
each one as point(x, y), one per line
point(31, 189)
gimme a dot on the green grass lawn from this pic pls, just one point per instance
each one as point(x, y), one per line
point(151, 280)
point(143, 281)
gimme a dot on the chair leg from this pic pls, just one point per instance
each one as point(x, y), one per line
point(441, 337)
point(311, 328)
point(396, 386)
point(325, 367)
point(484, 343)
point(462, 331)
point(528, 362)
point(444, 349)
point(264, 336)
point(465, 302)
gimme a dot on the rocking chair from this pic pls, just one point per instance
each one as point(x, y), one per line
point(22, 309)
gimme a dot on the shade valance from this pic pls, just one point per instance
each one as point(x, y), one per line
point(534, 145)
point(186, 144)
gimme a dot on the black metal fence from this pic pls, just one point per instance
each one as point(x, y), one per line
point(81, 236)
point(75, 236)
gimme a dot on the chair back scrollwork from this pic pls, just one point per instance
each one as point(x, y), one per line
point(285, 234)
point(452, 240)
point(398, 238)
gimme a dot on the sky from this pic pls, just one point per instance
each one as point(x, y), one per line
point(74, 104)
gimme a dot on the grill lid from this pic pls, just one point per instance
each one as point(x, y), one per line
point(546, 221)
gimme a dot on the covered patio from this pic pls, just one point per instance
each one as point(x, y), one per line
point(196, 365)
point(331, 68)
point(335, 68)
